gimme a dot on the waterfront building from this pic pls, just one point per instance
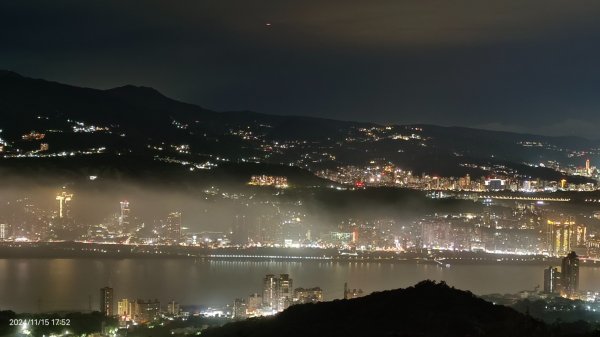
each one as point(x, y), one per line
point(284, 292)
point(559, 236)
point(570, 274)
point(309, 295)
point(277, 292)
point(146, 311)
point(106, 301)
point(552, 284)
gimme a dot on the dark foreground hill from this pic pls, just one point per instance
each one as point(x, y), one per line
point(427, 309)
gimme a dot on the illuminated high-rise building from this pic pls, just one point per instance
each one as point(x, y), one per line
point(173, 308)
point(284, 292)
point(464, 182)
point(270, 284)
point(3, 231)
point(146, 311)
point(552, 283)
point(240, 309)
point(560, 236)
point(495, 184)
point(64, 200)
point(254, 303)
point(106, 301)
point(124, 216)
point(277, 292)
point(125, 309)
point(580, 236)
point(311, 295)
point(436, 235)
point(588, 169)
point(174, 226)
point(570, 273)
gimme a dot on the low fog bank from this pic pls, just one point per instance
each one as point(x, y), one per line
point(214, 204)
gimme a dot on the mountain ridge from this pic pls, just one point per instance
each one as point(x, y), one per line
point(128, 89)
point(141, 120)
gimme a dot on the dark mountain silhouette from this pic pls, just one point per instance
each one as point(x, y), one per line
point(140, 120)
point(427, 309)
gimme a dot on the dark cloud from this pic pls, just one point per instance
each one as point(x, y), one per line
point(512, 65)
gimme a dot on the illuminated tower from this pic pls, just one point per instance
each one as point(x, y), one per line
point(551, 280)
point(284, 292)
point(63, 199)
point(270, 285)
point(570, 273)
point(124, 217)
point(587, 167)
point(560, 236)
point(106, 301)
point(174, 226)
point(579, 236)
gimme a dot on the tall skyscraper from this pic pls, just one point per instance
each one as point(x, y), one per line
point(64, 199)
point(559, 236)
point(124, 216)
point(588, 169)
point(570, 273)
point(106, 301)
point(277, 292)
point(580, 236)
point(270, 284)
point(173, 308)
point(284, 292)
point(174, 226)
point(240, 309)
point(3, 231)
point(552, 283)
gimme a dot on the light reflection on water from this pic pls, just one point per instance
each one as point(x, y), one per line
point(73, 284)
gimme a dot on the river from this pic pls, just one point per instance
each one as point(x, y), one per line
point(33, 285)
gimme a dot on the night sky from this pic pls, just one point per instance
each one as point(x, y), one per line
point(514, 65)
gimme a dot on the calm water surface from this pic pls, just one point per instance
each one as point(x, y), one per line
point(31, 285)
